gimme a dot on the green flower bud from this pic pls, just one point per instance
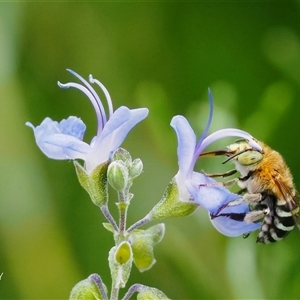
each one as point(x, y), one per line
point(120, 262)
point(171, 205)
point(123, 155)
point(95, 183)
point(148, 293)
point(87, 289)
point(136, 168)
point(117, 175)
point(142, 242)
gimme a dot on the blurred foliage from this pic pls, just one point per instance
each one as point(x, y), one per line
point(161, 55)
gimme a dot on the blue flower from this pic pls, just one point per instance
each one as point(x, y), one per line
point(64, 140)
point(201, 189)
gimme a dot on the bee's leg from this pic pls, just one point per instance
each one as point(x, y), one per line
point(245, 235)
point(241, 191)
point(250, 217)
point(253, 198)
point(250, 199)
point(220, 183)
point(226, 174)
point(256, 215)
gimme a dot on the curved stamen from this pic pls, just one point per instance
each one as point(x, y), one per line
point(106, 93)
point(92, 99)
point(90, 88)
point(227, 132)
point(211, 110)
point(203, 136)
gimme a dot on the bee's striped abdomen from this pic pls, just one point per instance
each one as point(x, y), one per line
point(278, 223)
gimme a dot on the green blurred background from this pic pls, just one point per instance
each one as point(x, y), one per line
point(162, 56)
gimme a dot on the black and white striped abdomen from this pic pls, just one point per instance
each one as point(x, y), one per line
point(278, 223)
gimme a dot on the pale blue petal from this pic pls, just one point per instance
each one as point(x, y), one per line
point(233, 228)
point(61, 140)
point(113, 135)
point(119, 125)
point(65, 147)
point(186, 143)
point(73, 126)
point(119, 117)
point(210, 197)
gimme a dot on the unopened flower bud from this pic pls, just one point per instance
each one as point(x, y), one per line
point(117, 175)
point(136, 168)
point(88, 289)
point(123, 155)
point(148, 293)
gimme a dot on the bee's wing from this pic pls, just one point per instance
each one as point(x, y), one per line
point(292, 199)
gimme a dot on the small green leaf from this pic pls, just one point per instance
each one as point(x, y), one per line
point(108, 227)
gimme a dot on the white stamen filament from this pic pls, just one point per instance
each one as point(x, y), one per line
point(91, 98)
point(106, 93)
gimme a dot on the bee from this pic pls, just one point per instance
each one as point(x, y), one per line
point(267, 186)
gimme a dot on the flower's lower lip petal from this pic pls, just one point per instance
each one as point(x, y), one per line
point(233, 228)
point(61, 146)
point(186, 143)
point(208, 193)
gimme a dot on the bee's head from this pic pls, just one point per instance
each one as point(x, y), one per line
point(243, 153)
point(240, 152)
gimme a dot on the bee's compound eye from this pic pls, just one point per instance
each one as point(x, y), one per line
point(249, 158)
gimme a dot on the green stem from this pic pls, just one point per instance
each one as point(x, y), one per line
point(139, 223)
point(133, 289)
point(123, 207)
point(114, 295)
point(98, 281)
point(104, 209)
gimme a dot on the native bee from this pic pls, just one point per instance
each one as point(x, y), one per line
point(267, 186)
